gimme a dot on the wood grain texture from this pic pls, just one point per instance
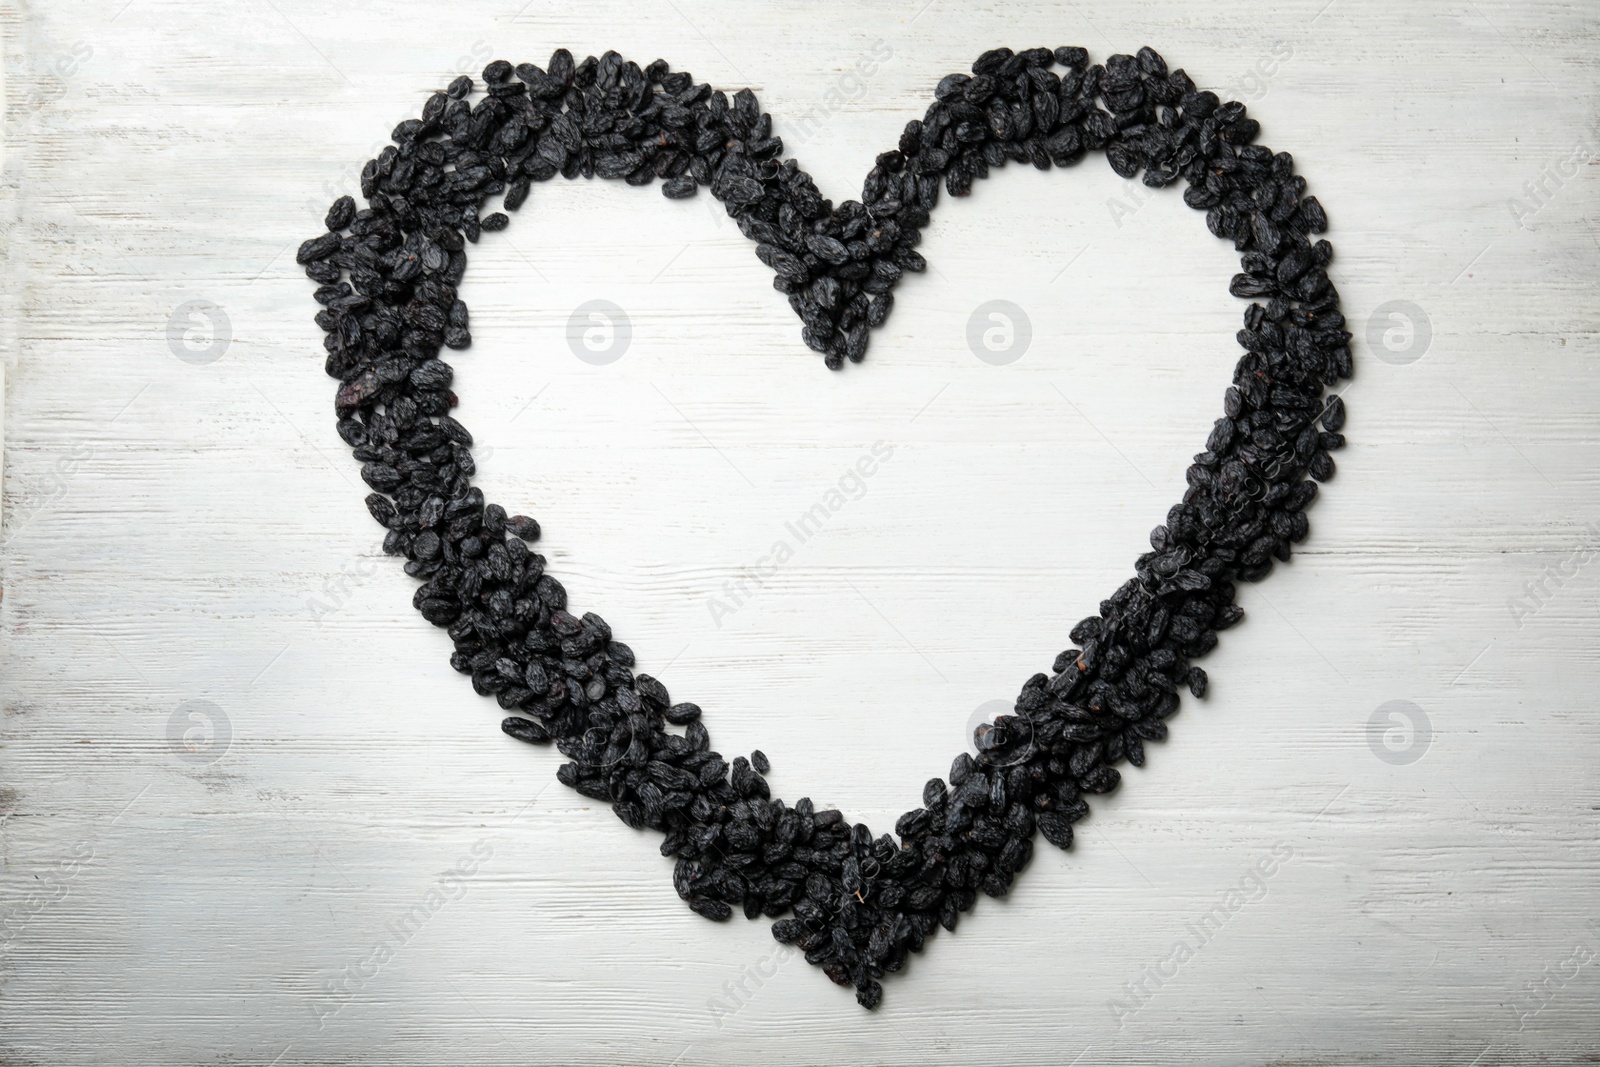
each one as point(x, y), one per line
point(369, 872)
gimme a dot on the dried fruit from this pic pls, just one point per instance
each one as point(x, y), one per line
point(387, 277)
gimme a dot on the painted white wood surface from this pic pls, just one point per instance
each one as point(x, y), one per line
point(181, 531)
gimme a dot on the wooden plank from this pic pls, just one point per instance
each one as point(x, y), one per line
point(368, 872)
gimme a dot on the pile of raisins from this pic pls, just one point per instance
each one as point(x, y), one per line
point(855, 904)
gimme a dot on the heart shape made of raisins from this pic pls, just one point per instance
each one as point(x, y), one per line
point(855, 904)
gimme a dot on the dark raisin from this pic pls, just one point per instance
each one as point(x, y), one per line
point(388, 275)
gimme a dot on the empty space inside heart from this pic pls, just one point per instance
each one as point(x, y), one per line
point(842, 568)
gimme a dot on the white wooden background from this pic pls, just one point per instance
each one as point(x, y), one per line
point(182, 525)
